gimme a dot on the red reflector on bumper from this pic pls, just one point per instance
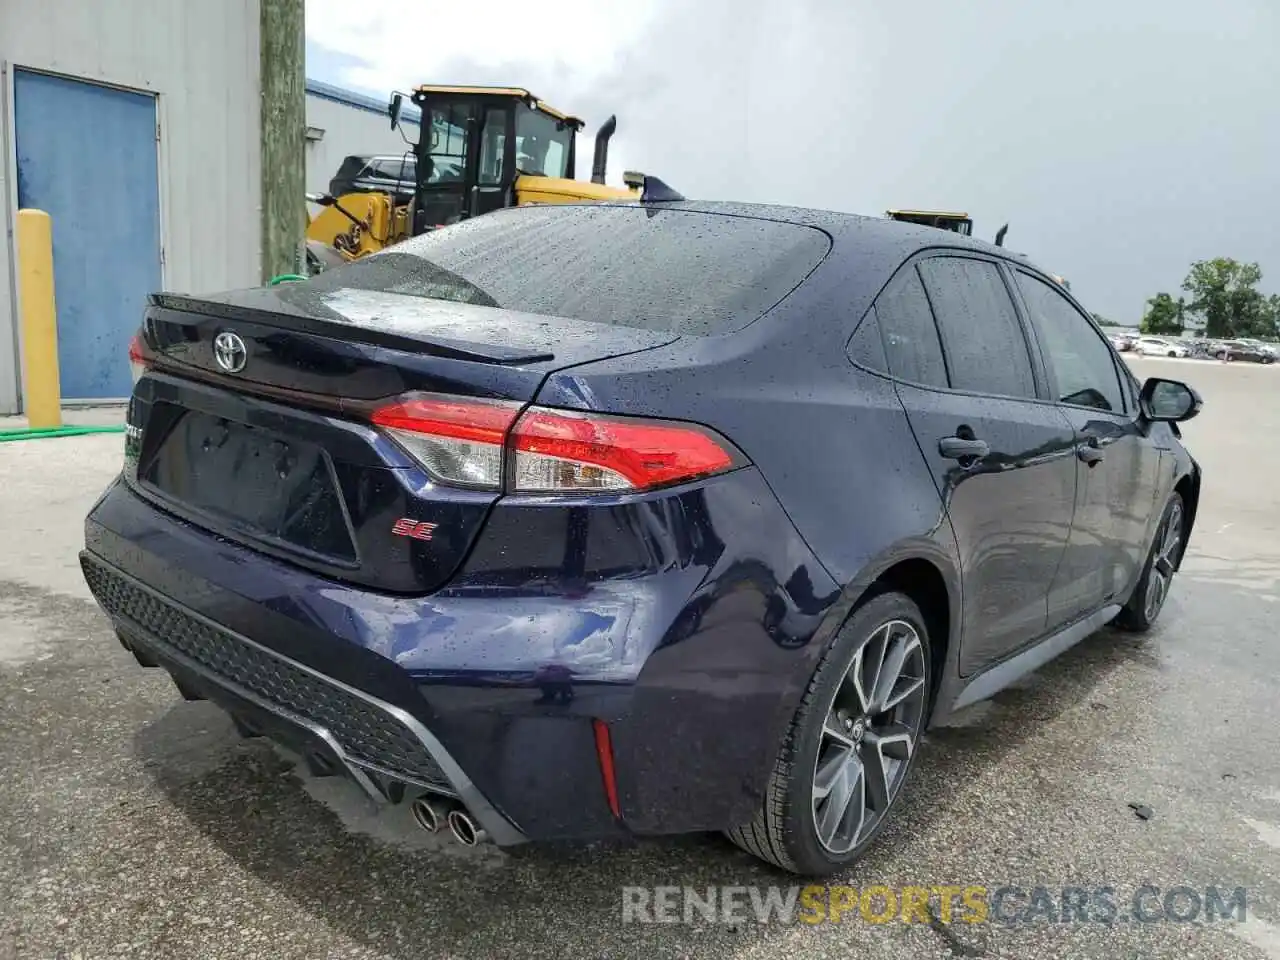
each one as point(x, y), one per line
point(604, 752)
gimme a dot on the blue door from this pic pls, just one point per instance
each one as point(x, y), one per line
point(87, 157)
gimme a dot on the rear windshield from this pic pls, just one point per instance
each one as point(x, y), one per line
point(657, 269)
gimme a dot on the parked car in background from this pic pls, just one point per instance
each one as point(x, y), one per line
point(550, 549)
point(395, 175)
point(1160, 347)
point(1121, 341)
point(1245, 350)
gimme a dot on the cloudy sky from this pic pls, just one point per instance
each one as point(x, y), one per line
point(1120, 139)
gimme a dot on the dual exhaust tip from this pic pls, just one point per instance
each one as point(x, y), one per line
point(435, 813)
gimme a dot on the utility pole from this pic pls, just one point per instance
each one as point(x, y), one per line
point(284, 105)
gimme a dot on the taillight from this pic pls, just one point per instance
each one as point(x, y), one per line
point(558, 451)
point(458, 440)
point(138, 358)
point(473, 443)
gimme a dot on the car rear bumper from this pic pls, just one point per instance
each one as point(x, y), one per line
point(337, 727)
point(489, 693)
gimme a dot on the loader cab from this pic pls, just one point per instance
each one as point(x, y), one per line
point(955, 222)
point(475, 142)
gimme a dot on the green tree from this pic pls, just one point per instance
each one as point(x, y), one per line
point(1164, 315)
point(1271, 323)
point(1224, 293)
point(1102, 321)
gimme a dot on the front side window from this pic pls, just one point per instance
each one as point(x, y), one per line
point(542, 143)
point(981, 334)
point(1082, 362)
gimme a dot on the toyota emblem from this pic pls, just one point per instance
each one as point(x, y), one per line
point(230, 352)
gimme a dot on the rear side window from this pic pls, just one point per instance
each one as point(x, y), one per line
point(865, 346)
point(985, 347)
point(396, 169)
point(648, 267)
point(911, 343)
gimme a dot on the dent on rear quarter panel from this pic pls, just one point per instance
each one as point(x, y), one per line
point(703, 596)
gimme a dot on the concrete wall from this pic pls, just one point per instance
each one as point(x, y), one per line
point(201, 60)
point(349, 123)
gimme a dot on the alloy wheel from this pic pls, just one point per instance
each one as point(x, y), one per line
point(1164, 562)
point(868, 736)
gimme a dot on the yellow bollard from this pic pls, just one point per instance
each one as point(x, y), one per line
point(42, 394)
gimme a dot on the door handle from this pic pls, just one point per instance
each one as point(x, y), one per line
point(960, 448)
point(1090, 454)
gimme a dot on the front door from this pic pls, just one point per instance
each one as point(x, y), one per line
point(87, 157)
point(1117, 463)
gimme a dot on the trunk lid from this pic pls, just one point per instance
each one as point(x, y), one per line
point(357, 344)
point(272, 447)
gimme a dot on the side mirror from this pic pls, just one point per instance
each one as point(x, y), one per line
point(1170, 401)
point(393, 109)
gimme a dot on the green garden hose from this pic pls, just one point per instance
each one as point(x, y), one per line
point(42, 433)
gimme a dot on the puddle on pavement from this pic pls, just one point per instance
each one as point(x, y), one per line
point(390, 824)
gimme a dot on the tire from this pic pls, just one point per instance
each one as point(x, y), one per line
point(1173, 353)
point(785, 831)
point(1142, 610)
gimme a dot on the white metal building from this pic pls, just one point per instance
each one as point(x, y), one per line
point(135, 124)
point(341, 123)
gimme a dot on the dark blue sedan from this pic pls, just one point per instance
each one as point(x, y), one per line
point(628, 519)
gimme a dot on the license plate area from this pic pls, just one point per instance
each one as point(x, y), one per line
point(250, 482)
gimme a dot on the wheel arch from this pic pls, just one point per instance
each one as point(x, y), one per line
point(922, 581)
point(1188, 487)
point(928, 574)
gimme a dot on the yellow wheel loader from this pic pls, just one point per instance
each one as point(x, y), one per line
point(959, 223)
point(479, 149)
point(955, 222)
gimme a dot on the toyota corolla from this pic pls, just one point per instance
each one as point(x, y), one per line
point(616, 520)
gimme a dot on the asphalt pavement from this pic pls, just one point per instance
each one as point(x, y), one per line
point(133, 824)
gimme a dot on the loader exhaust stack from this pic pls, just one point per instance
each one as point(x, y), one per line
point(600, 159)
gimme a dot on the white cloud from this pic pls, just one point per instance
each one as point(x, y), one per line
point(404, 42)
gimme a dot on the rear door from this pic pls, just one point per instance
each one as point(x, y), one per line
point(1003, 460)
point(1117, 462)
